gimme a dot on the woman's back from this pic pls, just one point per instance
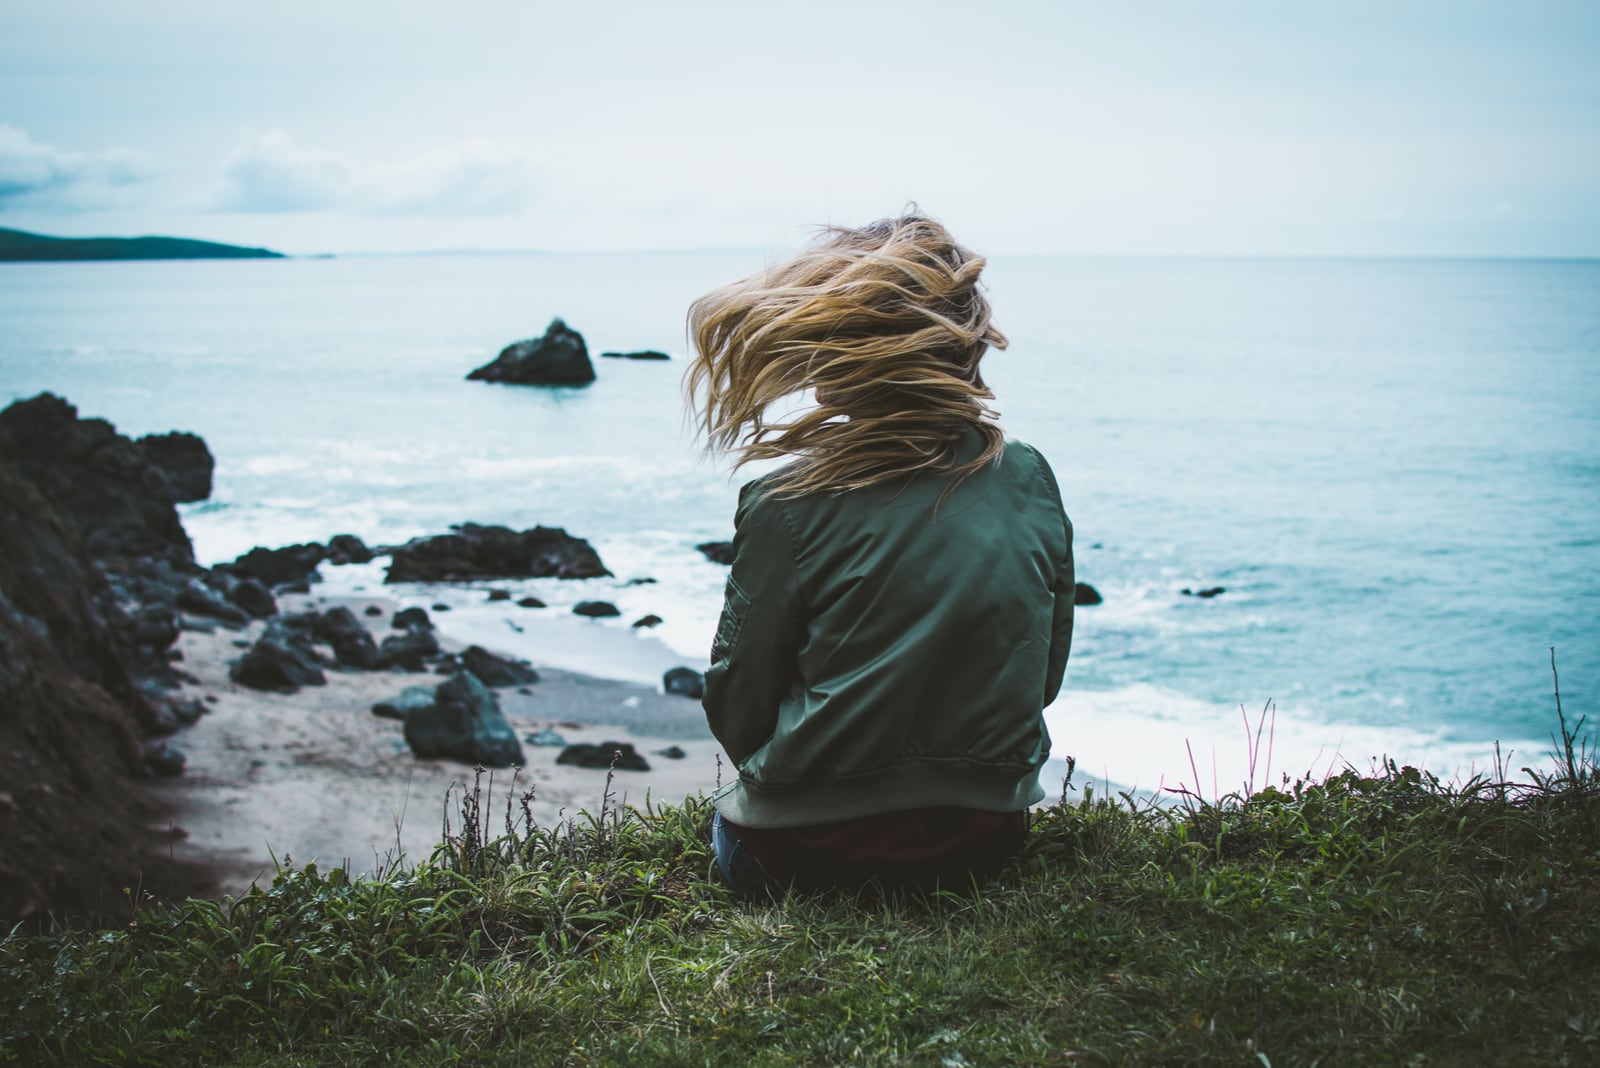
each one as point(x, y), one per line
point(901, 637)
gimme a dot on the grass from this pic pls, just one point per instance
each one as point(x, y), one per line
point(1385, 918)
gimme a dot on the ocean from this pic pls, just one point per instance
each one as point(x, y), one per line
point(1392, 468)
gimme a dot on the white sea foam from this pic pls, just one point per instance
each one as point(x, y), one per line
point(1149, 738)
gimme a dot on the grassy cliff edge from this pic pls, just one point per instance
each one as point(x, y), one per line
point(1383, 918)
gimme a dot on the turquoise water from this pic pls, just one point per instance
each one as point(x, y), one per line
point(1392, 466)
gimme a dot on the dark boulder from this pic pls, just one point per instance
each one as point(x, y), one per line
point(185, 462)
point(99, 483)
point(372, 610)
point(409, 650)
point(1085, 594)
point(672, 752)
point(684, 682)
point(163, 760)
point(254, 598)
point(530, 602)
point(499, 595)
point(464, 723)
point(476, 552)
point(596, 609)
point(291, 565)
point(642, 354)
point(718, 552)
point(412, 699)
point(559, 358)
point(1209, 592)
point(277, 663)
point(621, 755)
point(164, 710)
point(352, 642)
point(496, 671)
point(407, 618)
point(651, 620)
point(201, 599)
point(155, 626)
point(348, 549)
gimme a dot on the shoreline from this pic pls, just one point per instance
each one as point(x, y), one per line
point(316, 776)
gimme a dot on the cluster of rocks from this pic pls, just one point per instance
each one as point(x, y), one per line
point(472, 552)
point(560, 357)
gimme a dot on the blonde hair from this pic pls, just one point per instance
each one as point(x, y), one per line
point(886, 324)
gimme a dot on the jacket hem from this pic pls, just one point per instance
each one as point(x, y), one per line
point(906, 786)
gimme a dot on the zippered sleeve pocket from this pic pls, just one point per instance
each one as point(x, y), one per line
point(735, 608)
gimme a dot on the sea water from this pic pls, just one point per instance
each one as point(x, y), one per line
point(1392, 467)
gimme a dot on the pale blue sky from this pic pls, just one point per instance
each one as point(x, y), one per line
point(1272, 128)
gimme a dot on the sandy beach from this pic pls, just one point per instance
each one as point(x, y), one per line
point(316, 776)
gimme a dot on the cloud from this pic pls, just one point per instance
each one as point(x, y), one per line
point(33, 171)
point(272, 172)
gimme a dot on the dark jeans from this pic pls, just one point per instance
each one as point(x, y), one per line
point(747, 878)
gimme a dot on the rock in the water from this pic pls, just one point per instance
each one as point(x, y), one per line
point(275, 663)
point(596, 609)
point(411, 699)
point(372, 610)
point(496, 671)
point(651, 620)
point(1085, 594)
point(1209, 592)
point(530, 602)
point(499, 595)
point(185, 462)
point(288, 566)
point(559, 358)
point(348, 549)
point(718, 552)
point(465, 723)
point(476, 552)
point(407, 618)
point(99, 483)
point(545, 738)
point(672, 752)
point(642, 354)
point(352, 642)
point(626, 757)
point(163, 760)
point(254, 598)
point(684, 682)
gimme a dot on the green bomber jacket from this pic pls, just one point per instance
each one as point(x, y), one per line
point(882, 649)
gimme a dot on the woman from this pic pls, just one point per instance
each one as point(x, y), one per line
point(899, 609)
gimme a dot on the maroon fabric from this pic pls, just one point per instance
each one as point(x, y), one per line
point(919, 848)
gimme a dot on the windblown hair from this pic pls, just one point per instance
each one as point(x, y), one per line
point(885, 324)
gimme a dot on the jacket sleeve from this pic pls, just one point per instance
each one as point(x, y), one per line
point(755, 654)
point(1064, 589)
point(1061, 623)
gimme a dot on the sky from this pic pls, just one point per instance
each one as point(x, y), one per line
point(1387, 128)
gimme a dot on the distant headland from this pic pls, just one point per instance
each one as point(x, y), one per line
point(20, 246)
